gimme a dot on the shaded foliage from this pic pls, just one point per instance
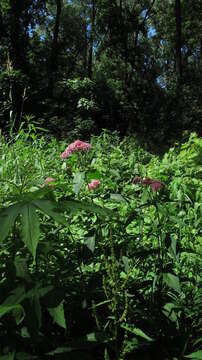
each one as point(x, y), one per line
point(142, 58)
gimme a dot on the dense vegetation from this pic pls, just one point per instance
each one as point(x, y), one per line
point(100, 239)
point(82, 65)
point(100, 251)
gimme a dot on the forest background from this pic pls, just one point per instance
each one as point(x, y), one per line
point(79, 66)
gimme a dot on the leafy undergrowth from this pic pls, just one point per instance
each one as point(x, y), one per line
point(100, 250)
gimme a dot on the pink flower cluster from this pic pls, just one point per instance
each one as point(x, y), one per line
point(153, 183)
point(93, 184)
point(77, 145)
point(48, 182)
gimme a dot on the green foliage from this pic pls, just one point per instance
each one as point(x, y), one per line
point(116, 270)
point(81, 70)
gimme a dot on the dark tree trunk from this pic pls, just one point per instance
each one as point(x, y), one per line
point(90, 59)
point(85, 50)
point(178, 40)
point(18, 57)
point(179, 115)
point(53, 66)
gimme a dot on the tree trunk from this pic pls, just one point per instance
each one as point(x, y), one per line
point(54, 48)
point(85, 50)
point(18, 58)
point(90, 59)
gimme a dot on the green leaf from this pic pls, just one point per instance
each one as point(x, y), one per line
point(195, 355)
point(58, 315)
point(172, 281)
point(73, 205)
point(136, 331)
point(93, 175)
point(78, 181)
point(6, 309)
point(90, 243)
point(169, 311)
point(7, 219)
point(117, 197)
point(125, 260)
point(30, 228)
point(51, 209)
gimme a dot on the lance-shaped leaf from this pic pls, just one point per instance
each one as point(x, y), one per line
point(195, 355)
point(73, 205)
point(51, 209)
point(136, 331)
point(58, 315)
point(7, 220)
point(30, 228)
point(78, 181)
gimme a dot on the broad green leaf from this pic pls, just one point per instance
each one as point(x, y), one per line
point(90, 243)
point(136, 331)
point(172, 281)
point(73, 204)
point(45, 192)
point(7, 220)
point(58, 315)
point(30, 228)
point(78, 181)
point(197, 355)
point(51, 209)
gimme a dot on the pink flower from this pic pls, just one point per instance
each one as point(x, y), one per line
point(137, 180)
point(147, 181)
point(77, 145)
point(48, 181)
point(93, 184)
point(156, 185)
